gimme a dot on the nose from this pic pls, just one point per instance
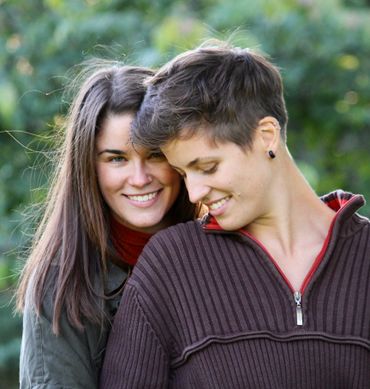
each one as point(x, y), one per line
point(140, 175)
point(196, 187)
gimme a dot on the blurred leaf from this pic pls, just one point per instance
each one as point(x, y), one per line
point(8, 102)
point(178, 33)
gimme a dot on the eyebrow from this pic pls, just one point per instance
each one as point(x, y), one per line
point(195, 162)
point(112, 151)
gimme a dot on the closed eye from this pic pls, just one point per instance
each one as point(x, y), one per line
point(210, 170)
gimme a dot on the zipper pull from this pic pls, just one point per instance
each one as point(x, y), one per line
point(298, 301)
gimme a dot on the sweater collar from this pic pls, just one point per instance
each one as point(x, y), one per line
point(345, 204)
point(127, 242)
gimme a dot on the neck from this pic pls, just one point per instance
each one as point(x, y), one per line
point(295, 216)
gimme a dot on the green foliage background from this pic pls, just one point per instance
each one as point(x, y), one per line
point(323, 51)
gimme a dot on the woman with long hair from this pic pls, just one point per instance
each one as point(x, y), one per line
point(106, 200)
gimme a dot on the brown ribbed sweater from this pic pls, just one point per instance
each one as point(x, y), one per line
point(206, 308)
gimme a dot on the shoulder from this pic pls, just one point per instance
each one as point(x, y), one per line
point(356, 226)
point(191, 238)
point(180, 240)
point(166, 250)
point(179, 253)
point(189, 228)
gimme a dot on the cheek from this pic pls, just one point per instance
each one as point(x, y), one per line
point(107, 179)
point(167, 176)
point(173, 179)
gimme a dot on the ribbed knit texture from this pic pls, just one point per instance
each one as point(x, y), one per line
point(211, 310)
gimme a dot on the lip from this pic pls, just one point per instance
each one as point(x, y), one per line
point(143, 204)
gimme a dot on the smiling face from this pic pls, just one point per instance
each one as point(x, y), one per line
point(234, 183)
point(139, 187)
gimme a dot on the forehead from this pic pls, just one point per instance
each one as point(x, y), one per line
point(115, 134)
point(115, 127)
point(183, 147)
point(197, 149)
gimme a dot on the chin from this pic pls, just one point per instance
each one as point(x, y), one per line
point(153, 223)
point(230, 225)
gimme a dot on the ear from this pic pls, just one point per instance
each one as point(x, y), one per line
point(268, 131)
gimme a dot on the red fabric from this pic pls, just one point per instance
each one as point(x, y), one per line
point(337, 204)
point(127, 242)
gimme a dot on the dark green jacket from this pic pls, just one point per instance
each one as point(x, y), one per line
point(71, 360)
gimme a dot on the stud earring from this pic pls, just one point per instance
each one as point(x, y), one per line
point(271, 154)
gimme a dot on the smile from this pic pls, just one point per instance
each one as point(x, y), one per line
point(143, 198)
point(218, 204)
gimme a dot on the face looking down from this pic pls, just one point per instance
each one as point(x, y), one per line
point(138, 186)
point(230, 180)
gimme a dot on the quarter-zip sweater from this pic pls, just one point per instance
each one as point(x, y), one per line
point(207, 308)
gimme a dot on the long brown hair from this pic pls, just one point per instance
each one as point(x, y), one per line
point(71, 247)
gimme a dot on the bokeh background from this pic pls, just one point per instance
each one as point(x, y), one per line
point(322, 48)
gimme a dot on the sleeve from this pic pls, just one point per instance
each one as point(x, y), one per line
point(48, 361)
point(135, 357)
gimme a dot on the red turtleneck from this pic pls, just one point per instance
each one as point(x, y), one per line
point(127, 242)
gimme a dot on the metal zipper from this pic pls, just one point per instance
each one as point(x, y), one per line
point(298, 303)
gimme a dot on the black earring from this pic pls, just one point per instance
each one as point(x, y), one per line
point(271, 154)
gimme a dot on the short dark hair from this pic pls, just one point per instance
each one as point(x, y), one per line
point(219, 89)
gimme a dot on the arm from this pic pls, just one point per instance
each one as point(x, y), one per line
point(48, 361)
point(135, 357)
point(72, 359)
